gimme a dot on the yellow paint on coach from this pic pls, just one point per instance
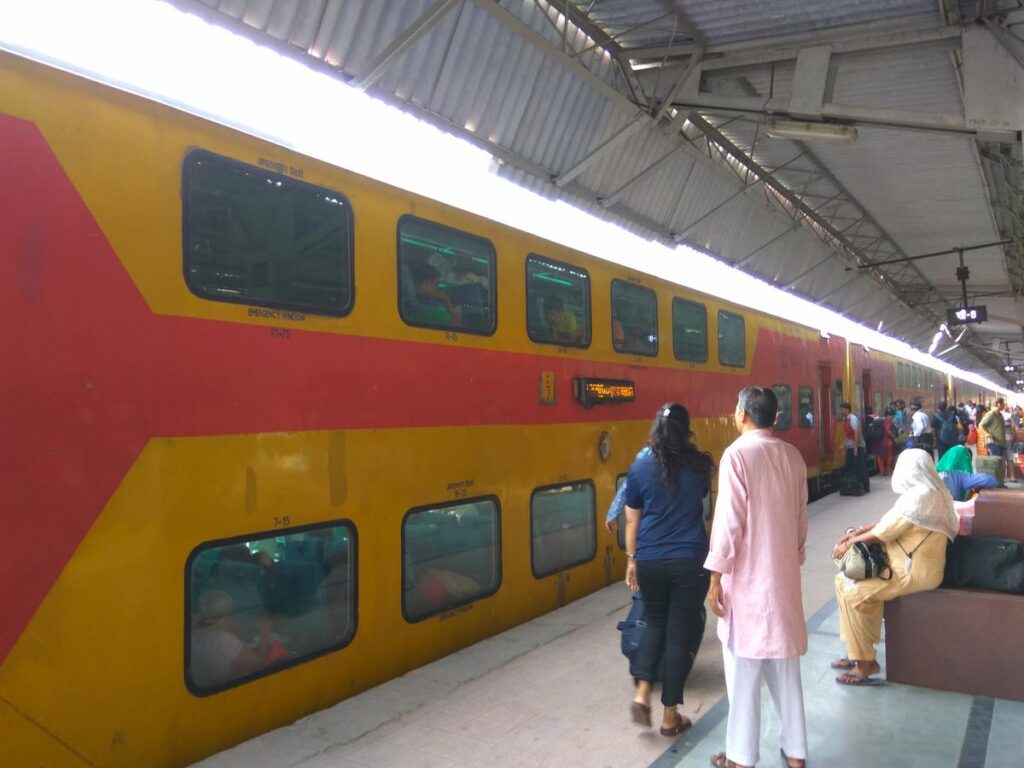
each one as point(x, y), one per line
point(130, 178)
point(101, 666)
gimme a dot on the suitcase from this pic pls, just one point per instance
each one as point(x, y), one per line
point(992, 465)
point(849, 485)
point(985, 562)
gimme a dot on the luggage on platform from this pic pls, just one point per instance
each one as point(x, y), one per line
point(985, 562)
point(992, 465)
point(632, 627)
point(849, 485)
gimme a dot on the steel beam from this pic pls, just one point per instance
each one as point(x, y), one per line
point(614, 197)
point(412, 33)
point(608, 144)
point(843, 40)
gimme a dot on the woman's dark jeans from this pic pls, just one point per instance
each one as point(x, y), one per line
point(673, 592)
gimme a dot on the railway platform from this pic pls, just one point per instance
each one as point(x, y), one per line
point(555, 692)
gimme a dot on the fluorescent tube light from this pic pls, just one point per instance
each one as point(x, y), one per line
point(790, 129)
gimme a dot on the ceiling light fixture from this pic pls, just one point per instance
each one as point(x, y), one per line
point(792, 129)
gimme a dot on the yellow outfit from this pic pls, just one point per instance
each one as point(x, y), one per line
point(565, 328)
point(861, 602)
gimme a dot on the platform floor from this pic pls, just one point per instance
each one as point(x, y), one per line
point(555, 692)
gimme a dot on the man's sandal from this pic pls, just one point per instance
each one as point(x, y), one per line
point(719, 760)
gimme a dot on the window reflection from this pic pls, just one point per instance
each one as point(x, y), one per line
point(451, 556)
point(257, 237)
point(562, 527)
point(266, 603)
point(634, 319)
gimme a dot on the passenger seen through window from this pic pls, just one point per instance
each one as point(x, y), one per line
point(266, 603)
point(557, 302)
point(446, 277)
point(634, 319)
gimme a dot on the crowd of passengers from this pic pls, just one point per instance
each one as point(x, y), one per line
point(954, 435)
point(747, 570)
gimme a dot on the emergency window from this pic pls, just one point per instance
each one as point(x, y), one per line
point(257, 237)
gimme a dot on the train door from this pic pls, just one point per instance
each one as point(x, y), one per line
point(824, 411)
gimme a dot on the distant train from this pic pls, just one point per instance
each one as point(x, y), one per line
point(276, 433)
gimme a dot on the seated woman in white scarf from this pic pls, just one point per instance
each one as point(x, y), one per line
point(914, 532)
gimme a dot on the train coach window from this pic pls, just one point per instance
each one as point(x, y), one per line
point(634, 319)
point(451, 555)
point(805, 407)
point(689, 330)
point(562, 528)
point(784, 418)
point(256, 237)
point(557, 302)
point(445, 277)
point(260, 603)
point(732, 339)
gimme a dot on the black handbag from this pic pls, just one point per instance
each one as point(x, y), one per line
point(985, 562)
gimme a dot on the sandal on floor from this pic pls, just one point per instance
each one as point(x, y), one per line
point(843, 663)
point(785, 760)
point(641, 713)
point(719, 760)
point(855, 679)
point(682, 723)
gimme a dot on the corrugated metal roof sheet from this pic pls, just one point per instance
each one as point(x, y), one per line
point(544, 96)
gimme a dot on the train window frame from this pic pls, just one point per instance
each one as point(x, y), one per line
point(677, 352)
point(789, 409)
point(801, 417)
point(585, 341)
point(492, 289)
point(198, 155)
point(259, 536)
point(724, 314)
point(582, 561)
point(620, 284)
point(499, 570)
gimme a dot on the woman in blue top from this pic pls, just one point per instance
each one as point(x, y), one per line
point(666, 544)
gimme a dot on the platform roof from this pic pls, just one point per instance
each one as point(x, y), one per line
point(659, 115)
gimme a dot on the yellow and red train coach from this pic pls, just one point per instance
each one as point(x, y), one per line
point(276, 433)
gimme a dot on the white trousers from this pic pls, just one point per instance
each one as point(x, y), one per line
point(743, 679)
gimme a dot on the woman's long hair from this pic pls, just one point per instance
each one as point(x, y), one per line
point(671, 443)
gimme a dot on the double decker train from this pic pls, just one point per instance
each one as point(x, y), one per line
point(276, 433)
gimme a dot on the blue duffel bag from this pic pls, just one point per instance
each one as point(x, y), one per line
point(632, 628)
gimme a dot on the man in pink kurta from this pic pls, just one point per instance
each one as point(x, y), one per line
point(757, 548)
